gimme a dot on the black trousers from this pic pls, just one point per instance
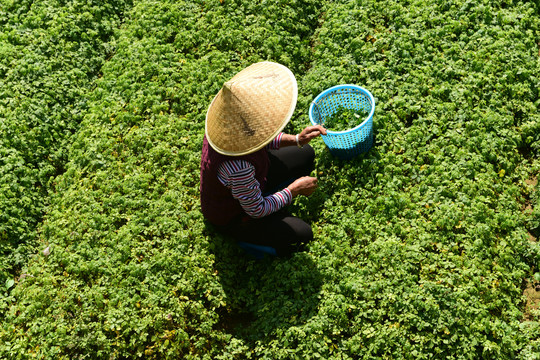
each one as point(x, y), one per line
point(280, 230)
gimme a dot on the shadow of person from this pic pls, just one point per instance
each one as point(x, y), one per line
point(265, 295)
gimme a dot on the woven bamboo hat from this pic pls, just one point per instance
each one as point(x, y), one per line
point(251, 109)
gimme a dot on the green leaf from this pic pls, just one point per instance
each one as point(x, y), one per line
point(9, 283)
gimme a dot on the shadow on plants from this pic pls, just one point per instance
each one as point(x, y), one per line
point(265, 295)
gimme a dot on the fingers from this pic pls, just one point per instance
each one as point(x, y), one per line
point(311, 132)
point(314, 131)
point(309, 180)
point(305, 185)
point(308, 185)
point(321, 129)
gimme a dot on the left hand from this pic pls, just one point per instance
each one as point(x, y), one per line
point(310, 133)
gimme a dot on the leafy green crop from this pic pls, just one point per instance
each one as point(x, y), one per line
point(345, 119)
point(422, 245)
point(432, 217)
point(50, 54)
point(126, 206)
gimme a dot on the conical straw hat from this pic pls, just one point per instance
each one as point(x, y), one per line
point(251, 109)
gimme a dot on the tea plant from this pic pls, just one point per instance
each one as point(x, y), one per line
point(422, 245)
point(430, 257)
point(345, 119)
point(127, 267)
point(50, 54)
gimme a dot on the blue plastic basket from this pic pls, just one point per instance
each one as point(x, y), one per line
point(349, 143)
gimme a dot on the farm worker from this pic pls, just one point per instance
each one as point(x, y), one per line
point(250, 169)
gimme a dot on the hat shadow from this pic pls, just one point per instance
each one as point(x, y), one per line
point(263, 296)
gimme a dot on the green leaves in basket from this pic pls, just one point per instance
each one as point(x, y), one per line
point(345, 119)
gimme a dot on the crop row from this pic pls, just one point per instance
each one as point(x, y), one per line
point(51, 52)
point(421, 245)
point(430, 225)
point(128, 270)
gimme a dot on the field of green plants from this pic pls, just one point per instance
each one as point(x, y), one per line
point(426, 247)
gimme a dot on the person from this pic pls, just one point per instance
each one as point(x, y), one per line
point(250, 169)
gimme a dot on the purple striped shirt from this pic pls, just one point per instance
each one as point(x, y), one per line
point(239, 177)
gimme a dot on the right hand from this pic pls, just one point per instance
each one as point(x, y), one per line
point(309, 133)
point(305, 185)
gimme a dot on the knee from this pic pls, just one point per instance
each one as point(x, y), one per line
point(301, 234)
point(309, 154)
point(304, 232)
point(306, 161)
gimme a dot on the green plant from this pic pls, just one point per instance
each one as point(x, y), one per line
point(345, 119)
point(421, 245)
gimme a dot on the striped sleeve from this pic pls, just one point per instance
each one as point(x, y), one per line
point(276, 143)
point(239, 177)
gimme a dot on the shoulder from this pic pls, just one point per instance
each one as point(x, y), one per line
point(237, 167)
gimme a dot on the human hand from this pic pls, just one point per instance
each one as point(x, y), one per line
point(305, 185)
point(310, 133)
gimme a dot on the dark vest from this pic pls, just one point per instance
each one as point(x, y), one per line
point(217, 203)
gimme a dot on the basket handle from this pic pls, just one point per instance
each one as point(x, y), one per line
point(318, 113)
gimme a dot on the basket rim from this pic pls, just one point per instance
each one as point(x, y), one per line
point(338, 87)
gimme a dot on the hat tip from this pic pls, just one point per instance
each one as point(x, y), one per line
point(228, 85)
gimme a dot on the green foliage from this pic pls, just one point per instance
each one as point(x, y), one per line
point(123, 217)
point(344, 119)
point(432, 217)
point(50, 54)
point(421, 245)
